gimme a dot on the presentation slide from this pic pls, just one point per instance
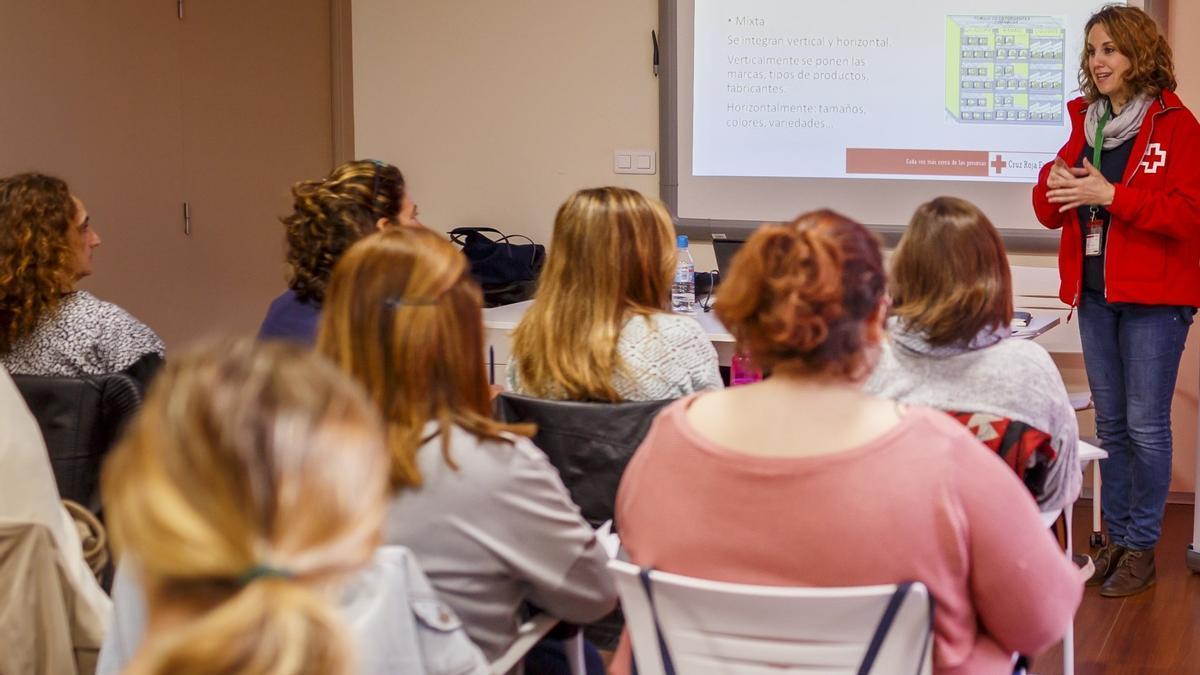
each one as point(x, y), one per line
point(923, 90)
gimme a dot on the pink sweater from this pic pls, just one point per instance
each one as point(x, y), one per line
point(924, 502)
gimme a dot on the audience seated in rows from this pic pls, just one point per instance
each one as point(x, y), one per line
point(269, 521)
point(329, 215)
point(28, 495)
point(481, 507)
point(951, 349)
point(47, 326)
point(804, 479)
point(598, 329)
point(248, 499)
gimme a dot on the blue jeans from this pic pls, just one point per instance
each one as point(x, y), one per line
point(1132, 354)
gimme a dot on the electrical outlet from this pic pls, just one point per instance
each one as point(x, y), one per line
point(635, 161)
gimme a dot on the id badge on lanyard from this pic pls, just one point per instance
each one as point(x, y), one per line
point(1093, 242)
point(1094, 234)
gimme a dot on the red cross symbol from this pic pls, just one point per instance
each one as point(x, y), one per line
point(998, 164)
point(1154, 158)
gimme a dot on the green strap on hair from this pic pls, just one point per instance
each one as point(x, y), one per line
point(261, 572)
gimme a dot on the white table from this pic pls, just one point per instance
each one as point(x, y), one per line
point(499, 323)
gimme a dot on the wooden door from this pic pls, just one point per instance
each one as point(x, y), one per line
point(92, 94)
point(141, 111)
point(256, 118)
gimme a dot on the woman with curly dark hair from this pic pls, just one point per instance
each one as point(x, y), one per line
point(329, 215)
point(47, 327)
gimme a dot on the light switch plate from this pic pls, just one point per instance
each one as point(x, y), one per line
point(635, 161)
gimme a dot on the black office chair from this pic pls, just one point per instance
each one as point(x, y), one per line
point(589, 443)
point(80, 419)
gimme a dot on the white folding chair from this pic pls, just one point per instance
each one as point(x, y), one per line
point(530, 633)
point(709, 627)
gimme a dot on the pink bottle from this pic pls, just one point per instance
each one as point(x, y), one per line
point(742, 371)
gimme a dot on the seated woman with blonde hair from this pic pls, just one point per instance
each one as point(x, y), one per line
point(599, 329)
point(328, 216)
point(247, 499)
point(47, 325)
point(803, 479)
point(480, 506)
point(951, 349)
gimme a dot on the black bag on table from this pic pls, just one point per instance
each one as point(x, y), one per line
point(507, 272)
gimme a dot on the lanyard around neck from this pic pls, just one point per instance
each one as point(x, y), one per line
point(1098, 143)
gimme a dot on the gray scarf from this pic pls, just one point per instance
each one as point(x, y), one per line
point(1119, 128)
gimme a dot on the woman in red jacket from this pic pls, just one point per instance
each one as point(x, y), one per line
point(1125, 190)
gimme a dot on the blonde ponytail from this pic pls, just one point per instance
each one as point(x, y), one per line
point(252, 482)
point(269, 627)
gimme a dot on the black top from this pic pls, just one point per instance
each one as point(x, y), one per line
point(1112, 165)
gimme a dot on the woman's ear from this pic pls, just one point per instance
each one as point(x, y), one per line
point(383, 224)
point(877, 322)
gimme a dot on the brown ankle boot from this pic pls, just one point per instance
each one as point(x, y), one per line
point(1106, 561)
point(1135, 573)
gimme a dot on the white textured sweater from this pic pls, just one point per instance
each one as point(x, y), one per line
point(664, 355)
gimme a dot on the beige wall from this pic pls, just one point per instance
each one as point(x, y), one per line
point(1184, 17)
point(498, 110)
point(518, 104)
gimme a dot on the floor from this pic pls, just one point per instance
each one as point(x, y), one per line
point(1155, 632)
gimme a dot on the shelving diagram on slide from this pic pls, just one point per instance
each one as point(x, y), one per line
point(1005, 69)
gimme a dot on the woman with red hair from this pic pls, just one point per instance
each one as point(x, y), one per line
point(803, 479)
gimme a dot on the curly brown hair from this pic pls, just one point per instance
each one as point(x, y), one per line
point(1136, 36)
point(800, 295)
point(36, 255)
point(331, 214)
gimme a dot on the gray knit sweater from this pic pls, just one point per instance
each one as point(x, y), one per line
point(996, 375)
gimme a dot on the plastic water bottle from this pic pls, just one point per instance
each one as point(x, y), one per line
point(683, 289)
point(742, 371)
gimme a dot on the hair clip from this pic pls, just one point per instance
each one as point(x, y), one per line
point(397, 303)
point(261, 572)
point(375, 183)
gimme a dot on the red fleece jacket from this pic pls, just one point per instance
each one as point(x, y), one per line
point(1153, 248)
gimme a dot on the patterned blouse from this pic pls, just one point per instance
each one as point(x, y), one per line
point(665, 356)
point(84, 336)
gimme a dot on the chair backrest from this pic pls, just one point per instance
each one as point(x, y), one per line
point(717, 627)
point(80, 419)
point(1026, 450)
point(589, 443)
